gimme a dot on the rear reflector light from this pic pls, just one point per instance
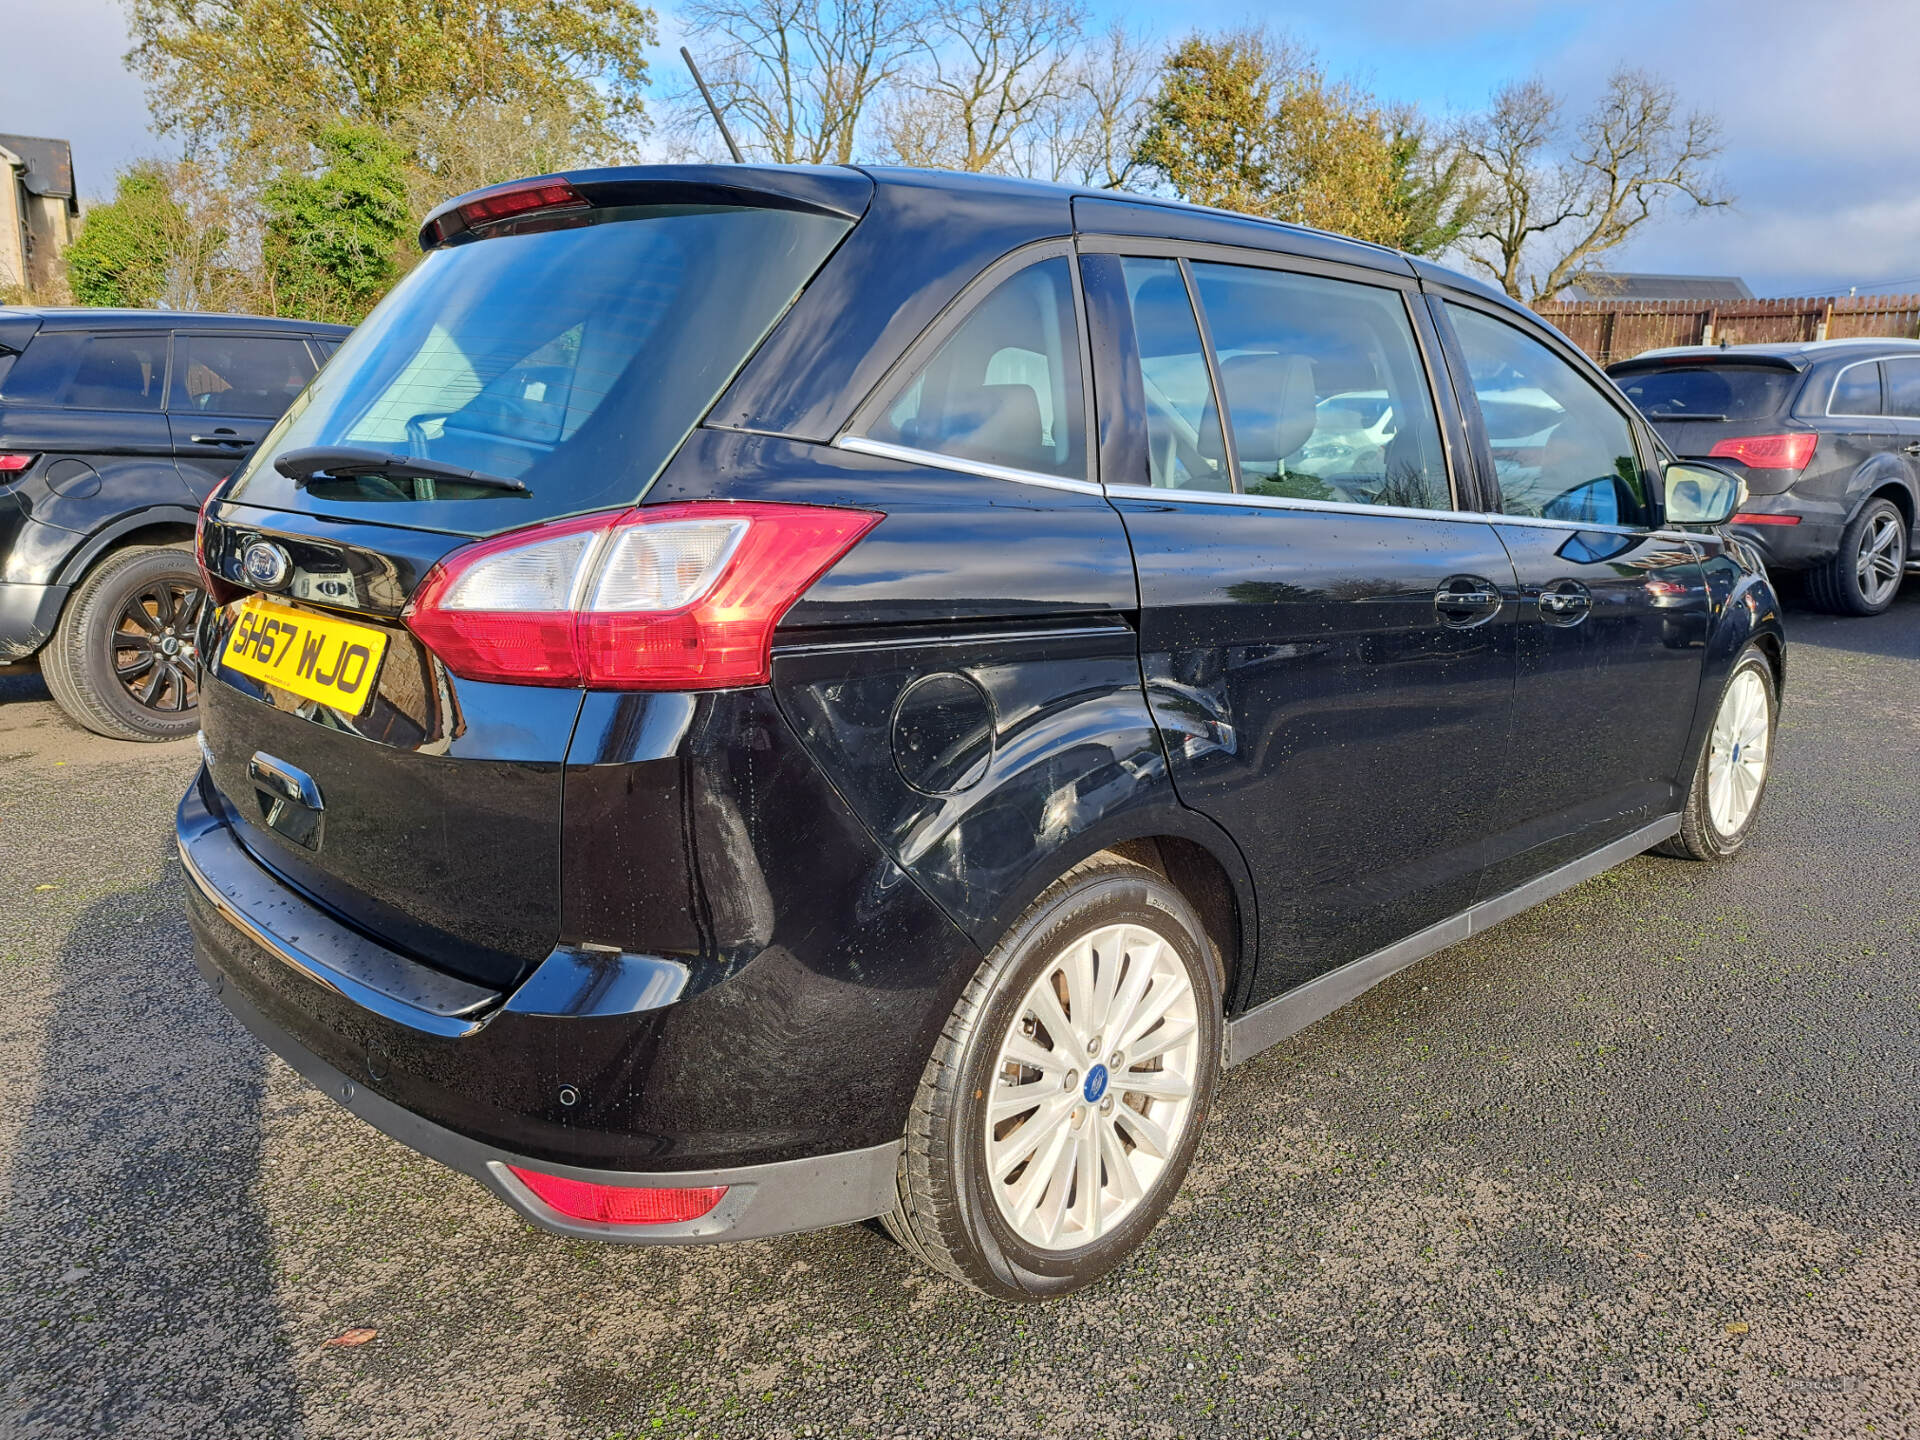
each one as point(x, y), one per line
point(1748, 519)
point(666, 597)
point(1769, 452)
point(519, 199)
point(13, 464)
point(621, 1204)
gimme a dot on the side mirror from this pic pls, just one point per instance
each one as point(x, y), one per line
point(1699, 494)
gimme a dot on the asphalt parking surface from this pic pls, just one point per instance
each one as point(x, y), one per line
point(1640, 1162)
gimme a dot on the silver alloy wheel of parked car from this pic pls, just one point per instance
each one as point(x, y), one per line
point(1737, 761)
point(1094, 1087)
point(1883, 558)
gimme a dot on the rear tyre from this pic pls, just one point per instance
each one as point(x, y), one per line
point(1865, 572)
point(122, 660)
point(1065, 1096)
point(1734, 765)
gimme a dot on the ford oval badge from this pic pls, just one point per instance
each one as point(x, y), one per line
point(265, 565)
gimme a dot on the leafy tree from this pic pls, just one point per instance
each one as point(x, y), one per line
point(334, 237)
point(257, 79)
point(1248, 121)
point(1556, 204)
point(121, 255)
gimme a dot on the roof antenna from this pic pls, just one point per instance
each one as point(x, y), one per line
point(707, 95)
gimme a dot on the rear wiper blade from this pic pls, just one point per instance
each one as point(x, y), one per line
point(337, 462)
point(1682, 415)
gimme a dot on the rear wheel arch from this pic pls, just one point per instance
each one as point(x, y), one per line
point(163, 525)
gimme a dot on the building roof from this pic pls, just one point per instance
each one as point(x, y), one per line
point(49, 167)
point(1623, 285)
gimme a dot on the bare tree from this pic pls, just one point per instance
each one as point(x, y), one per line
point(1091, 134)
point(797, 77)
point(1547, 216)
point(990, 71)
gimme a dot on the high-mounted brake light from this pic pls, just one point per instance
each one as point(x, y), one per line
point(664, 597)
point(1769, 452)
point(621, 1204)
point(534, 195)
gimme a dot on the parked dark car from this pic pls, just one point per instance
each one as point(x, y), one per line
point(114, 426)
point(747, 699)
point(1827, 437)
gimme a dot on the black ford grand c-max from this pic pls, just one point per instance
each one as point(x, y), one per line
point(747, 699)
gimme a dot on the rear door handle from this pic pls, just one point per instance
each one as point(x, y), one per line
point(1913, 449)
point(1466, 600)
point(227, 438)
point(1562, 602)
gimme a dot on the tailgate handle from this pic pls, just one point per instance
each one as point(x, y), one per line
point(289, 782)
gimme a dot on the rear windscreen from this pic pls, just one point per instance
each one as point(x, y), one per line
point(1709, 392)
point(572, 360)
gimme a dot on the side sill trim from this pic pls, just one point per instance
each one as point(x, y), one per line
point(1287, 1015)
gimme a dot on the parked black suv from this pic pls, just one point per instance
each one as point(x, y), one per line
point(1827, 436)
point(746, 699)
point(114, 426)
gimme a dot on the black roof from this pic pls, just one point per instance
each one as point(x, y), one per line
point(87, 317)
point(846, 190)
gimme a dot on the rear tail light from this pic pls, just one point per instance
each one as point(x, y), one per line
point(1769, 452)
point(667, 597)
point(621, 1204)
point(13, 464)
point(1747, 518)
point(219, 592)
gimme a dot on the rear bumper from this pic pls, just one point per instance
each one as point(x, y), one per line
point(1814, 538)
point(28, 614)
point(481, 1080)
point(761, 1200)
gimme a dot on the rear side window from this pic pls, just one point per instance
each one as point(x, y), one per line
point(1184, 448)
point(257, 375)
point(573, 358)
point(1325, 391)
point(1712, 392)
point(1856, 391)
point(1004, 388)
point(1561, 450)
point(1903, 387)
point(92, 372)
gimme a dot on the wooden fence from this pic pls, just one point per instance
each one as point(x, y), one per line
point(1610, 330)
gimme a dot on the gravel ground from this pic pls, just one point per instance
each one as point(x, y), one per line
point(1640, 1162)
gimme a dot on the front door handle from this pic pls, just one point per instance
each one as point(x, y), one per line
point(222, 436)
point(1562, 602)
point(1466, 600)
point(1913, 449)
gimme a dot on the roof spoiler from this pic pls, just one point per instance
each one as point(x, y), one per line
point(821, 190)
point(1709, 356)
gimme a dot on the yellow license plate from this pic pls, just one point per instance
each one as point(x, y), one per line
point(315, 657)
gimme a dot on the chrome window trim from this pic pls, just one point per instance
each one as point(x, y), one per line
point(1209, 252)
point(1404, 512)
point(1834, 389)
point(860, 445)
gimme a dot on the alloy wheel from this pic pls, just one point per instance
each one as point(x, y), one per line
point(1740, 745)
point(1093, 1087)
point(1882, 559)
point(155, 657)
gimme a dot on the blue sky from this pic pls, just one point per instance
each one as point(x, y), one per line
point(1817, 99)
